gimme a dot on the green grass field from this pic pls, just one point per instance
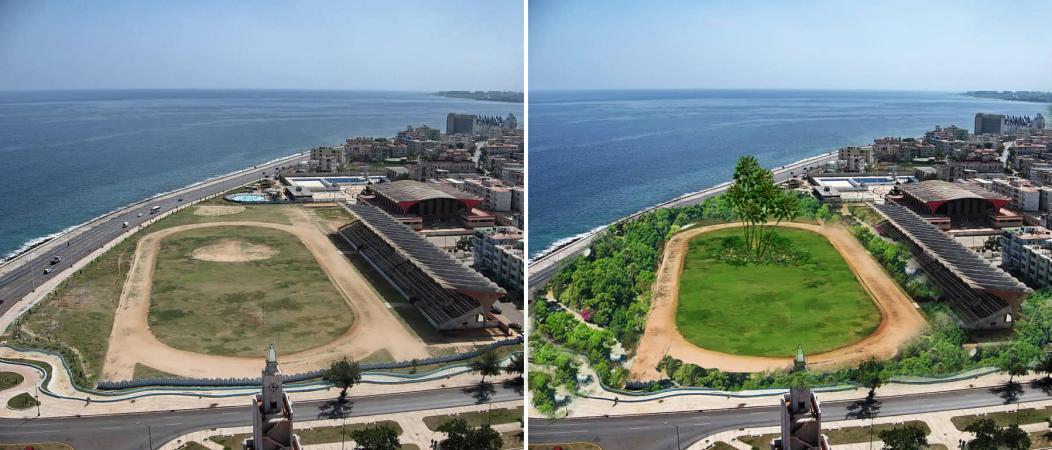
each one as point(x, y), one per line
point(228, 308)
point(476, 418)
point(24, 400)
point(767, 310)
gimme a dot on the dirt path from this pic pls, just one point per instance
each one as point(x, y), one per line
point(901, 320)
point(375, 326)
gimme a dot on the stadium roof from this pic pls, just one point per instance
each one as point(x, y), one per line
point(416, 191)
point(938, 191)
point(971, 268)
point(448, 272)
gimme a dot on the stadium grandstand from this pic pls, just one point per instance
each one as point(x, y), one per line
point(417, 204)
point(449, 294)
point(981, 295)
point(956, 204)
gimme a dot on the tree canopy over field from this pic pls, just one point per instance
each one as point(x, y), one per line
point(756, 199)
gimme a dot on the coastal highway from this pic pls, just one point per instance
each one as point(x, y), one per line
point(27, 272)
point(151, 430)
point(658, 431)
point(544, 267)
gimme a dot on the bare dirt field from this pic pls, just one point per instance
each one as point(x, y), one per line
point(216, 210)
point(231, 250)
point(901, 320)
point(375, 329)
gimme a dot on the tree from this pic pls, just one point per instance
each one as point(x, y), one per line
point(343, 373)
point(871, 375)
point(1014, 438)
point(985, 431)
point(380, 437)
point(517, 365)
point(756, 199)
point(1010, 363)
point(460, 436)
point(486, 364)
point(909, 437)
point(1045, 365)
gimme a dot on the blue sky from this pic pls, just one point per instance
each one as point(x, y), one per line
point(395, 45)
point(907, 45)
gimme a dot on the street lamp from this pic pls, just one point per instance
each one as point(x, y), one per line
point(678, 446)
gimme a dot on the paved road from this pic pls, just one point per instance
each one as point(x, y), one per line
point(19, 282)
point(136, 431)
point(656, 431)
point(542, 269)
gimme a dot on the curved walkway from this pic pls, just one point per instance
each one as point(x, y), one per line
point(901, 320)
point(375, 326)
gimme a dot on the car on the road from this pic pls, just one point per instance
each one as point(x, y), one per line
point(124, 225)
point(56, 260)
point(180, 199)
point(155, 209)
point(138, 215)
point(48, 270)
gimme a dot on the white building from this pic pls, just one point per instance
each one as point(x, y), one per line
point(856, 159)
point(272, 412)
point(498, 253)
point(1025, 253)
point(495, 196)
point(1025, 197)
point(328, 159)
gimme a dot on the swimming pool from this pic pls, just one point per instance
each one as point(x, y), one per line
point(247, 198)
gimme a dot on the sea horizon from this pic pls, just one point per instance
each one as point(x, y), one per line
point(79, 154)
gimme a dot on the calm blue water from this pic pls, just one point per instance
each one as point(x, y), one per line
point(69, 156)
point(596, 156)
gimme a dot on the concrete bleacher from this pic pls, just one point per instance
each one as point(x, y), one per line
point(445, 307)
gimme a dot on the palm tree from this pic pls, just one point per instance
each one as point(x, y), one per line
point(486, 364)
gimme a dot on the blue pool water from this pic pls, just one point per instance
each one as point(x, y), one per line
point(247, 198)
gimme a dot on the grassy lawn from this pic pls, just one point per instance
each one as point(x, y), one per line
point(320, 435)
point(44, 446)
point(842, 436)
point(720, 445)
point(228, 308)
point(573, 446)
point(193, 446)
point(22, 401)
point(512, 439)
point(77, 318)
point(1002, 418)
point(42, 364)
point(766, 310)
point(476, 418)
point(9, 380)
point(144, 371)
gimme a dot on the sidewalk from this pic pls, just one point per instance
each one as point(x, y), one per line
point(942, 429)
point(412, 423)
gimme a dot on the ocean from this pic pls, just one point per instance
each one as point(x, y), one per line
point(69, 156)
point(597, 156)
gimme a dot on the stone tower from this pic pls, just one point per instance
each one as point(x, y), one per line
point(272, 412)
point(801, 416)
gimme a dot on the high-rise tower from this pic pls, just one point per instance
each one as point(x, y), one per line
point(272, 412)
point(801, 416)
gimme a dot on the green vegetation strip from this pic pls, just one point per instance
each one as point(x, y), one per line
point(9, 380)
point(767, 309)
point(42, 446)
point(842, 436)
point(476, 418)
point(193, 446)
point(1003, 418)
point(144, 371)
point(319, 435)
point(22, 401)
point(228, 308)
point(720, 445)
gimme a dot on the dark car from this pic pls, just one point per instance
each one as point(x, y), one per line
point(56, 260)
